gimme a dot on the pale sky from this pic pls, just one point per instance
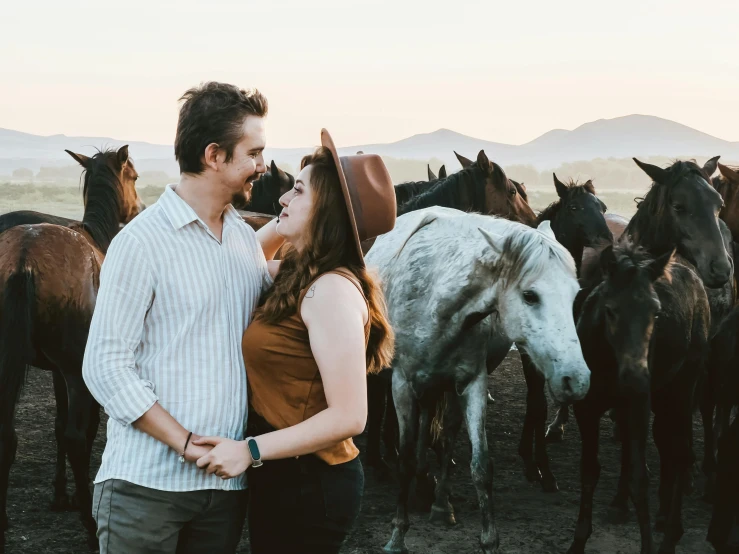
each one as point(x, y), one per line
point(372, 71)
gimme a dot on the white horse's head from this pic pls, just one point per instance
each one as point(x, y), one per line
point(535, 304)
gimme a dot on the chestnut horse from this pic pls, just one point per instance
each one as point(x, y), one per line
point(49, 275)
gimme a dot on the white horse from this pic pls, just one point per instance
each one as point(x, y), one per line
point(461, 288)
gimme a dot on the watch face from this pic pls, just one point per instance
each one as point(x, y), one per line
point(253, 449)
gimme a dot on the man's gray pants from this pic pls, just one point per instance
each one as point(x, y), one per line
point(132, 519)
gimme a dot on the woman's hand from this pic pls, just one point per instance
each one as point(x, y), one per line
point(194, 452)
point(228, 459)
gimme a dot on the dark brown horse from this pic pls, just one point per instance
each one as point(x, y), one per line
point(49, 275)
point(727, 185)
point(644, 332)
point(432, 176)
point(577, 220)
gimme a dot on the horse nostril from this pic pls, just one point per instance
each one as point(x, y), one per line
point(567, 384)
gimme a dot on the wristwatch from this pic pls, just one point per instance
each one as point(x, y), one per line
point(256, 457)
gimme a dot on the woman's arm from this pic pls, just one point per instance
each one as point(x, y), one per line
point(335, 314)
point(270, 240)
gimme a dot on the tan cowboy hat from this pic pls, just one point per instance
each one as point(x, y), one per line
point(368, 192)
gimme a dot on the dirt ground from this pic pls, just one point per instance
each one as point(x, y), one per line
point(529, 520)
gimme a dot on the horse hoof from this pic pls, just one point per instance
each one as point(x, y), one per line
point(554, 434)
point(549, 485)
point(442, 515)
point(389, 548)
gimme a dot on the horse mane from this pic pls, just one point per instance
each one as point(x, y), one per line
point(103, 194)
point(573, 189)
point(527, 253)
point(448, 192)
point(653, 225)
point(406, 191)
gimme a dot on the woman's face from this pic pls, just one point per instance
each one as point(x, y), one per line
point(297, 204)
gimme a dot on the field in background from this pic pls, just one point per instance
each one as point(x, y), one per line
point(66, 200)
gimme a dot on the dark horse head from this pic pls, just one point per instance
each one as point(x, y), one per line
point(481, 187)
point(264, 196)
point(577, 217)
point(680, 211)
point(727, 185)
point(622, 310)
point(109, 193)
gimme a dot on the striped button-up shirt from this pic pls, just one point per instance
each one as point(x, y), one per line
point(173, 304)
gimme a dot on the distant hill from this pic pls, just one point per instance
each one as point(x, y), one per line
point(621, 137)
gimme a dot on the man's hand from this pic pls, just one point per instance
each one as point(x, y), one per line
point(227, 459)
point(194, 451)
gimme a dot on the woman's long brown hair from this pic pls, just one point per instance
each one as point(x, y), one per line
point(329, 245)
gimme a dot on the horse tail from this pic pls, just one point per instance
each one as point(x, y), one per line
point(437, 423)
point(16, 328)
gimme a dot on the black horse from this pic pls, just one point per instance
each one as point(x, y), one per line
point(723, 531)
point(264, 197)
point(432, 176)
point(678, 214)
point(577, 220)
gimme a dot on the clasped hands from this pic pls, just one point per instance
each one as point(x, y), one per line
point(227, 458)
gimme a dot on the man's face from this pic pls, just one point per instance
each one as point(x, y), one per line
point(247, 163)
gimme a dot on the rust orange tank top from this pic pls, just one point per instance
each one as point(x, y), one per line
point(285, 386)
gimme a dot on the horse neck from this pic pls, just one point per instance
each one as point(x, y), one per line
point(101, 219)
point(643, 230)
point(572, 241)
point(448, 193)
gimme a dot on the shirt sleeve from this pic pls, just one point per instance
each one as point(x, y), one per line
point(109, 366)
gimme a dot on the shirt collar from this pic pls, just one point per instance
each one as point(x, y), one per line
point(180, 213)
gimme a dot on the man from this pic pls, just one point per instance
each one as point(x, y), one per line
point(177, 290)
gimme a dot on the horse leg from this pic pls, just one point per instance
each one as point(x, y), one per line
point(556, 430)
point(474, 406)
point(681, 460)
point(587, 415)
point(443, 510)
point(76, 436)
point(375, 409)
point(407, 409)
point(8, 447)
point(725, 503)
point(537, 468)
point(634, 427)
point(619, 507)
point(707, 408)
point(425, 482)
point(390, 430)
point(61, 500)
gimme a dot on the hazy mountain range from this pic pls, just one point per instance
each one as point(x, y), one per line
point(621, 137)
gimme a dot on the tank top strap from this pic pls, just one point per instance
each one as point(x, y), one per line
point(339, 271)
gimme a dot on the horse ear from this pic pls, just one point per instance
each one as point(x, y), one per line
point(660, 267)
point(442, 172)
point(273, 168)
point(588, 186)
point(493, 240)
point(710, 166)
point(482, 161)
point(729, 174)
point(122, 155)
point(81, 159)
point(546, 228)
point(462, 160)
point(429, 173)
point(560, 186)
point(656, 173)
point(608, 260)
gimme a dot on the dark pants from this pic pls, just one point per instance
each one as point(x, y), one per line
point(302, 505)
point(138, 520)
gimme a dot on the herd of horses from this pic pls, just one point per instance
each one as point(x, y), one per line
point(636, 316)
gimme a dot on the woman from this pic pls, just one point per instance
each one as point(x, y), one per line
point(321, 327)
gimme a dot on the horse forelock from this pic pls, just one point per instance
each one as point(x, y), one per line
point(528, 253)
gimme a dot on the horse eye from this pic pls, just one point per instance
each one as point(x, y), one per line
point(573, 208)
point(530, 297)
point(513, 192)
point(678, 207)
